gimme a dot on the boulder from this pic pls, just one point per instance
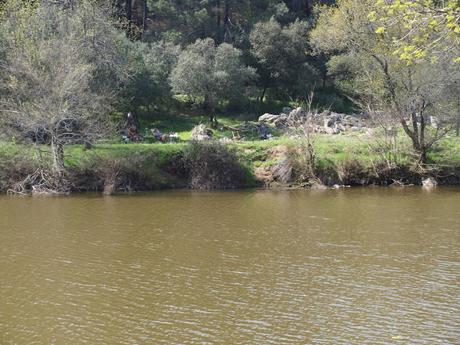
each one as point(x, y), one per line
point(298, 114)
point(286, 110)
point(334, 123)
point(268, 118)
point(429, 183)
point(339, 128)
point(328, 122)
point(281, 121)
point(331, 130)
point(201, 133)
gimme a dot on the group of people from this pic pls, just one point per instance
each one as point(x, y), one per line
point(163, 137)
point(130, 130)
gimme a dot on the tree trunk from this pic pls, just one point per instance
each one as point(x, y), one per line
point(307, 8)
point(145, 12)
point(227, 38)
point(263, 94)
point(209, 107)
point(218, 22)
point(129, 9)
point(57, 150)
point(417, 136)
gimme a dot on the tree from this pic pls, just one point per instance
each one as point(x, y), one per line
point(431, 28)
point(281, 53)
point(136, 14)
point(60, 73)
point(149, 69)
point(364, 53)
point(213, 73)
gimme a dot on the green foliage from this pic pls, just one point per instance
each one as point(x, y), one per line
point(59, 63)
point(281, 53)
point(367, 61)
point(364, 61)
point(213, 165)
point(212, 73)
point(427, 29)
point(150, 66)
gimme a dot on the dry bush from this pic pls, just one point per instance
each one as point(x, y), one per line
point(23, 172)
point(15, 168)
point(352, 172)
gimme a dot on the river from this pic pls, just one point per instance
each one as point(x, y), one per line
point(353, 266)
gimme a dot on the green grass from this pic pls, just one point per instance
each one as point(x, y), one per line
point(183, 125)
point(446, 152)
point(163, 152)
point(335, 149)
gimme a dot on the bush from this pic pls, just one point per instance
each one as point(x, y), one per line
point(15, 167)
point(211, 165)
point(353, 172)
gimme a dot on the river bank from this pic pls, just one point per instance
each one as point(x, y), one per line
point(339, 161)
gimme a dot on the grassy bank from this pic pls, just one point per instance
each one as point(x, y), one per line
point(339, 159)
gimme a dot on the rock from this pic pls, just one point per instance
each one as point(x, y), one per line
point(335, 123)
point(281, 121)
point(328, 122)
point(298, 114)
point(201, 133)
point(268, 118)
point(331, 131)
point(109, 189)
point(429, 183)
point(340, 128)
point(318, 186)
point(287, 110)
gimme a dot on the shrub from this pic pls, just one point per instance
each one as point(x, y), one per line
point(212, 165)
point(352, 172)
point(15, 167)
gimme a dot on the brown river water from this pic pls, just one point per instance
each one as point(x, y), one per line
point(355, 266)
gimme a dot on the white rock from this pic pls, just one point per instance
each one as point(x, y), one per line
point(429, 183)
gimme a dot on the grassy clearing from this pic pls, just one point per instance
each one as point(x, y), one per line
point(183, 125)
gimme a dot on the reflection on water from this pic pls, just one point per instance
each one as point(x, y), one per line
point(375, 266)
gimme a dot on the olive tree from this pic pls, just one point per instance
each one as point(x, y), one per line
point(281, 54)
point(410, 90)
point(149, 69)
point(59, 73)
point(213, 73)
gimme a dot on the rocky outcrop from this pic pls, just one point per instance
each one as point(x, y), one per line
point(335, 123)
point(327, 122)
point(268, 118)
